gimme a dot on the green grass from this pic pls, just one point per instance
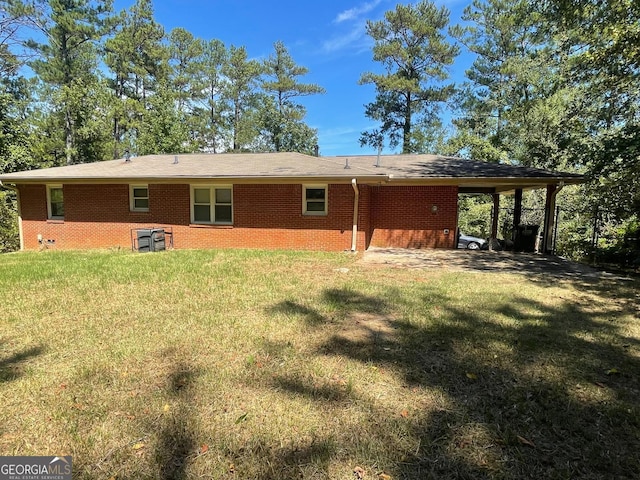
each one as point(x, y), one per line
point(277, 365)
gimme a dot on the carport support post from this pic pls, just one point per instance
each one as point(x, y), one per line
point(549, 217)
point(517, 212)
point(494, 220)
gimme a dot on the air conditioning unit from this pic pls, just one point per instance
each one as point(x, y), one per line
point(149, 239)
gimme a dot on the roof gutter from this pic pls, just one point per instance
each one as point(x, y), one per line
point(203, 179)
point(356, 200)
point(497, 181)
point(13, 188)
point(527, 182)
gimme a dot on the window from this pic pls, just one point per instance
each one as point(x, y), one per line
point(139, 198)
point(314, 200)
point(55, 202)
point(212, 204)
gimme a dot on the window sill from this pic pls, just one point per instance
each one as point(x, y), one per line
point(55, 220)
point(307, 214)
point(138, 212)
point(210, 225)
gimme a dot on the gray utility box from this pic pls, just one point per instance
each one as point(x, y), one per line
point(151, 240)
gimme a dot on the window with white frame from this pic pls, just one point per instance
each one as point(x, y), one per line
point(139, 198)
point(55, 202)
point(212, 204)
point(314, 199)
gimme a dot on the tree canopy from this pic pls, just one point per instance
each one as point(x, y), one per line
point(412, 46)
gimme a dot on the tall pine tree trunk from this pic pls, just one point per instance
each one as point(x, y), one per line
point(68, 114)
point(212, 113)
point(406, 128)
point(68, 134)
point(117, 128)
point(236, 126)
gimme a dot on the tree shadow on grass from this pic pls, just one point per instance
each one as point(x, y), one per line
point(11, 367)
point(343, 301)
point(324, 392)
point(171, 432)
point(176, 442)
point(264, 461)
point(552, 393)
point(288, 307)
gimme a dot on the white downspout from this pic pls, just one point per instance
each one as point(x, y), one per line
point(9, 187)
point(356, 199)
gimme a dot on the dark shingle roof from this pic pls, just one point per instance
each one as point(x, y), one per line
point(282, 167)
point(435, 166)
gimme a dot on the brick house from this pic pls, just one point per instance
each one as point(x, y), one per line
point(269, 200)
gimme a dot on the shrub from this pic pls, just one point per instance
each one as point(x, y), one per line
point(9, 236)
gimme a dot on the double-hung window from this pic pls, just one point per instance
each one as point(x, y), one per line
point(55, 202)
point(314, 199)
point(139, 198)
point(212, 204)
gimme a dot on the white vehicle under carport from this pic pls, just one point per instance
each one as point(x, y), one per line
point(472, 243)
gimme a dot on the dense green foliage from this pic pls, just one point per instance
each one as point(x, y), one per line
point(9, 239)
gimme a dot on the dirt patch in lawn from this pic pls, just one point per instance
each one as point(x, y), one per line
point(366, 327)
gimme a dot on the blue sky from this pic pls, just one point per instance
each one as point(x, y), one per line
point(328, 37)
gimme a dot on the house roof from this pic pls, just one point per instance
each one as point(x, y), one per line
point(296, 167)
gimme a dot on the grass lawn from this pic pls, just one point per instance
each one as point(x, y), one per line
point(282, 365)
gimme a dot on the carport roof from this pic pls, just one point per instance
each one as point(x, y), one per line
point(470, 175)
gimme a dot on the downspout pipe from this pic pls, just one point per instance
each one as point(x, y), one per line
point(11, 187)
point(356, 200)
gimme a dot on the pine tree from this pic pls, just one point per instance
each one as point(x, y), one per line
point(283, 118)
point(210, 126)
point(241, 92)
point(412, 46)
point(137, 60)
point(67, 59)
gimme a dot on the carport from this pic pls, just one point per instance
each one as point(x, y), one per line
point(496, 187)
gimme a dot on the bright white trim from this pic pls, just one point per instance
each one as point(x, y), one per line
point(132, 198)
point(50, 187)
point(305, 202)
point(212, 203)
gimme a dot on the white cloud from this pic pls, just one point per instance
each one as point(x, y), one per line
point(353, 38)
point(349, 32)
point(356, 12)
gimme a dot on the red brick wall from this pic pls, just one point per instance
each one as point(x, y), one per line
point(264, 216)
point(402, 216)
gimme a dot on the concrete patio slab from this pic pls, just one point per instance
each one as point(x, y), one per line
point(483, 261)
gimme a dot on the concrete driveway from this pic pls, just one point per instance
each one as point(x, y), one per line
point(482, 261)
